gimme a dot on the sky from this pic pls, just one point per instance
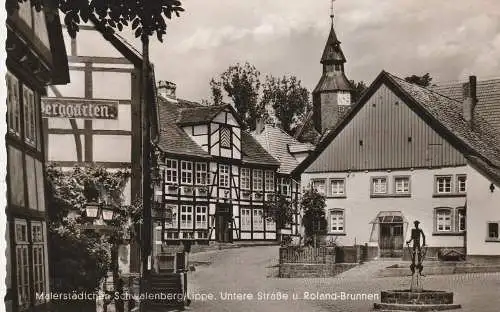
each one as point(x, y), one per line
point(450, 39)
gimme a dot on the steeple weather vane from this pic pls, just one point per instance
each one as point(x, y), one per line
point(331, 11)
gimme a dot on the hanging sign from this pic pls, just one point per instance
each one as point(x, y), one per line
point(79, 108)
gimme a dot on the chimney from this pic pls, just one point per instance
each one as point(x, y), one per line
point(259, 125)
point(167, 89)
point(470, 99)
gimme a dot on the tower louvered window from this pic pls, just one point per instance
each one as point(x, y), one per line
point(225, 137)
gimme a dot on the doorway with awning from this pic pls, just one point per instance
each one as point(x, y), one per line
point(389, 228)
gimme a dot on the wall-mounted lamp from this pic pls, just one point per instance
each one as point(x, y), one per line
point(492, 187)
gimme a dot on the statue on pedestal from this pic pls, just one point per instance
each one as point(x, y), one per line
point(417, 252)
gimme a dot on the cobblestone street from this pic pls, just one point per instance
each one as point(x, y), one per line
point(250, 272)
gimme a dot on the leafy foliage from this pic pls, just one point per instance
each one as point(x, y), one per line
point(253, 99)
point(423, 81)
point(313, 204)
point(280, 210)
point(242, 85)
point(83, 257)
point(288, 99)
point(358, 88)
point(144, 17)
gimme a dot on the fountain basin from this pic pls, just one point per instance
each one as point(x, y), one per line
point(423, 300)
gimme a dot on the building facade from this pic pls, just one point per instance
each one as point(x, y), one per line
point(35, 58)
point(91, 122)
point(406, 153)
point(217, 177)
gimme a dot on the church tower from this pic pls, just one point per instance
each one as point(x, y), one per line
point(333, 91)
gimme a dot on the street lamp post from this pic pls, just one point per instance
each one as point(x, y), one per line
point(103, 213)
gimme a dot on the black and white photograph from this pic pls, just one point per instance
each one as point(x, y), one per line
point(248, 156)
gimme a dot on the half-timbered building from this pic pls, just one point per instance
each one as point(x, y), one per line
point(217, 177)
point(36, 58)
point(406, 153)
point(96, 119)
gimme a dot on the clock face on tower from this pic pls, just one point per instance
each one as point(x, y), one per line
point(344, 98)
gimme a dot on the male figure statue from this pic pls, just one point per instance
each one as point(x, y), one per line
point(415, 237)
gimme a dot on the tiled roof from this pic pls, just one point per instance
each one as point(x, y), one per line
point(277, 143)
point(448, 112)
point(173, 139)
point(254, 153)
point(333, 81)
point(332, 52)
point(488, 95)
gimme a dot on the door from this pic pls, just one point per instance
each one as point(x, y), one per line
point(223, 226)
point(391, 239)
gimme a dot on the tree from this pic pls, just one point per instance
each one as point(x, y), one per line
point(288, 99)
point(241, 84)
point(313, 204)
point(280, 210)
point(81, 258)
point(423, 81)
point(358, 88)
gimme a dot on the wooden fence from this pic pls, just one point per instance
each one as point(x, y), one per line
point(296, 254)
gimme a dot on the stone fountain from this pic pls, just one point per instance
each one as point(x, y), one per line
point(416, 298)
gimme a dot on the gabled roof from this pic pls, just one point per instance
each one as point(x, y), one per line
point(488, 96)
point(174, 141)
point(443, 114)
point(199, 115)
point(277, 142)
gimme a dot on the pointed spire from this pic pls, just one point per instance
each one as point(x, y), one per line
point(332, 53)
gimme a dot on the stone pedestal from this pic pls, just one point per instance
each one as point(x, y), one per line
point(424, 300)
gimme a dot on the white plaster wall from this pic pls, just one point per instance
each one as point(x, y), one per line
point(483, 206)
point(360, 209)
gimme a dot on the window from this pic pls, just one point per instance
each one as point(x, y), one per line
point(493, 230)
point(186, 217)
point(402, 185)
point(246, 219)
point(171, 216)
point(201, 173)
point(379, 185)
point(337, 221)
point(269, 180)
point(38, 255)
point(186, 172)
point(22, 262)
point(443, 184)
point(257, 180)
point(225, 137)
point(460, 219)
point(245, 178)
point(258, 220)
point(443, 220)
point(171, 171)
point(13, 104)
point(201, 217)
point(30, 124)
point(337, 187)
point(319, 186)
point(285, 186)
point(270, 224)
point(224, 175)
point(461, 183)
